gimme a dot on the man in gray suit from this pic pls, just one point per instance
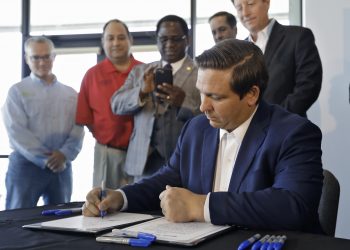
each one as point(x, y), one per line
point(159, 111)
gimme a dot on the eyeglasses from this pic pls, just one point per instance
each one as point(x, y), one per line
point(175, 39)
point(45, 58)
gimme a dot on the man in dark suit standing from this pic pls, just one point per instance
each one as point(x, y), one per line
point(291, 55)
point(159, 111)
point(244, 162)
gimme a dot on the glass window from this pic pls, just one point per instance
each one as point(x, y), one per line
point(146, 54)
point(11, 54)
point(278, 9)
point(13, 21)
point(88, 16)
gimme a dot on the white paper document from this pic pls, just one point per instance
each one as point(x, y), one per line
point(189, 234)
point(91, 224)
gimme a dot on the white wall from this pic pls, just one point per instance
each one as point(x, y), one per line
point(330, 22)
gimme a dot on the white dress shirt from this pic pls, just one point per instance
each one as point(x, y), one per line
point(230, 143)
point(263, 36)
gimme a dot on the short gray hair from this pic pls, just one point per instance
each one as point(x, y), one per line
point(38, 39)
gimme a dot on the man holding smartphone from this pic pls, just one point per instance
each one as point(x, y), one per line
point(159, 110)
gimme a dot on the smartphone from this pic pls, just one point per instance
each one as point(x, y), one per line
point(163, 75)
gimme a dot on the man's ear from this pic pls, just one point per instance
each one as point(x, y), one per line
point(26, 58)
point(253, 95)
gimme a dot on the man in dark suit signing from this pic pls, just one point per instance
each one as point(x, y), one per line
point(291, 56)
point(243, 162)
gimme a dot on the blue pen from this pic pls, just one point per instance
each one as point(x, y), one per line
point(260, 242)
point(273, 243)
point(139, 235)
point(125, 241)
point(66, 211)
point(267, 243)
point(102, 196)
point(249, 241)
point(279, 244)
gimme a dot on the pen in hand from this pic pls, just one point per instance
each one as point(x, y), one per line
point(102, 196)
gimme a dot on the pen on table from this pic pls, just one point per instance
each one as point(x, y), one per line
point(102, 196)
point(272, 244)
point(125, 241)
point(249, 241)
point(260, 242)
point(65, 211)
point(139, 235)
point(279, 244)
point(267, 243)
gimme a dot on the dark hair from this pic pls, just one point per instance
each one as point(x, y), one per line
point(244, 58)
point(230, 19)
point(176, 19)
point(116, 21)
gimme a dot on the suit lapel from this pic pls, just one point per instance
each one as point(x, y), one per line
point(209, 153)
point(184, 72)
point(276, 36)
point(252, 141)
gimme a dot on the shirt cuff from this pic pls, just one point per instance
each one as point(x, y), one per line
point(206, 209)
point(125, 204)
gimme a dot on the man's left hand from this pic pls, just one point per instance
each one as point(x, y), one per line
point(181, 205)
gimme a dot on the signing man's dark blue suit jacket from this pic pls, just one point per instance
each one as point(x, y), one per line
point(277, 178)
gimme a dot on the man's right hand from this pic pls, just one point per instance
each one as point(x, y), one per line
point(111, 203)
point(148, 79)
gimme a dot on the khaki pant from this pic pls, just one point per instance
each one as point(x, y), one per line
point(109, 166)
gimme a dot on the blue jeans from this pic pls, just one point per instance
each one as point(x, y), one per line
point(26, 182)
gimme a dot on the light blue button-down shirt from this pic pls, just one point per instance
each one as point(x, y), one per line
point(40, 118)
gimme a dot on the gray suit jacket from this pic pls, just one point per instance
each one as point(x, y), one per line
point(126, 101)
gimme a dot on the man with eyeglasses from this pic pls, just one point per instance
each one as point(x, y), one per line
point(159, 111)
point(39, 117)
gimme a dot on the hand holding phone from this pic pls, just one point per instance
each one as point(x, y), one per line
point(163, 75)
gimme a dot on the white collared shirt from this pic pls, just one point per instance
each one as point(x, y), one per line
point(226, 161)
point(176, 65)
point(263, 36)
